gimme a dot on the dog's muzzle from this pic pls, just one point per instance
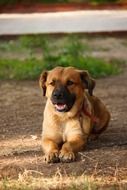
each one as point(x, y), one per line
point(62, 99)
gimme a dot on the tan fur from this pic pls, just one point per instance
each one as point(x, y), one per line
point(66, 133)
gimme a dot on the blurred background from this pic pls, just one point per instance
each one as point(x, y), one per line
point(40, 35)
point(44, 34)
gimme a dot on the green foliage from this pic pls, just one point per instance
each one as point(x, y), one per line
point(97, 67)
point(6, 2)
point(8, 46)
point(20, 70)
point(36, 41)
point(33, 41)
point(72, 55)
point(31, 69)
point(69, 53)
point(103, 1)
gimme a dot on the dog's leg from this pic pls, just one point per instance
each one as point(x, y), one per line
point(69, 148)
point(51, 150)
point(74, 141)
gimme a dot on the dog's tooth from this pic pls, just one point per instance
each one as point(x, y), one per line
point(60, 107)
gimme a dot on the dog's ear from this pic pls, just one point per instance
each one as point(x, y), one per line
point(88, 81)
point(42, 81)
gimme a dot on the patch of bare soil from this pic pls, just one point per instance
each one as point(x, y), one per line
point(21, 113)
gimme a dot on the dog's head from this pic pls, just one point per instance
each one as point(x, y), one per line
point(65, 86)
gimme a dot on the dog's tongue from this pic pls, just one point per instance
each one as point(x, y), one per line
point(60, 106)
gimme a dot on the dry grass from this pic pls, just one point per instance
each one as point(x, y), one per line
point(34, 180)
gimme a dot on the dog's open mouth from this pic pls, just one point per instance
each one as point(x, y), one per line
point(60, 107)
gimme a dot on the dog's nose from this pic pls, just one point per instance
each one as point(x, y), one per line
point(58, 94)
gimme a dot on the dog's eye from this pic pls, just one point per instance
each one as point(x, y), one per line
point(52, 83)
point(69, 83)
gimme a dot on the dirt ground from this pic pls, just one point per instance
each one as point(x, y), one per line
point(21, 114)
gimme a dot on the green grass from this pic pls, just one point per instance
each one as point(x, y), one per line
point(31, 69)
point(20, 70)
point(97, 67)
point(66, 51)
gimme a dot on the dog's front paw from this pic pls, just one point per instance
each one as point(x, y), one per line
point(52, 157)
point(66, 156)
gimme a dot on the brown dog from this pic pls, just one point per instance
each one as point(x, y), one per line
point(71, 113)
